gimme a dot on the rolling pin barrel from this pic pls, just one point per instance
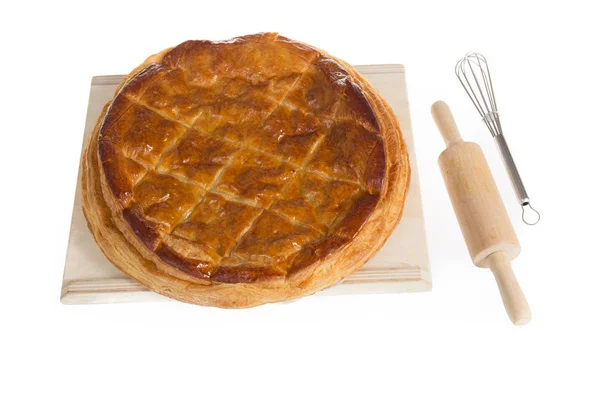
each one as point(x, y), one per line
point(483, 219)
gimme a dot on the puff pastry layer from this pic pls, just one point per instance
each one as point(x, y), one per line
point(242, 172)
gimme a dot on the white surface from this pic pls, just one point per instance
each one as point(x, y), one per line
point(401, 265)
point(454, 342)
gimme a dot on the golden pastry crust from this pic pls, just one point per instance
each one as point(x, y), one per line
point(243, 172)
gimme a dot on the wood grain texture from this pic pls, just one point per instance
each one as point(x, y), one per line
point(513, 298)
point(477, 203)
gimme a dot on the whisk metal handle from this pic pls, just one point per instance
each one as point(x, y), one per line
point(532, 217)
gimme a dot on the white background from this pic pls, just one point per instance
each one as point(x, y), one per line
point(454, 342)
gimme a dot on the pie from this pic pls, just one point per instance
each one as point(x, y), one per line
point(242, 172)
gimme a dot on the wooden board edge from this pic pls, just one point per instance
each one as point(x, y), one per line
point(124, 290)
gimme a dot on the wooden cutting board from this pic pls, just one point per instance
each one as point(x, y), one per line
point(402, 265)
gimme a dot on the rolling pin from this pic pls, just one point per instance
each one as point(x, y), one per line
point(483, 219)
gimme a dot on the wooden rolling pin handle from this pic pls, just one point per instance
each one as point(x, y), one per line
point(445, 122)
point(513, 298)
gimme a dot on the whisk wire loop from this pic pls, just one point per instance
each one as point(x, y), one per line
point(473, 73)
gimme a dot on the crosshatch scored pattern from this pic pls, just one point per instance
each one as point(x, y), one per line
point(236, 174)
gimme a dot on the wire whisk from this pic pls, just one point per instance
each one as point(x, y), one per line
point(474, 75)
